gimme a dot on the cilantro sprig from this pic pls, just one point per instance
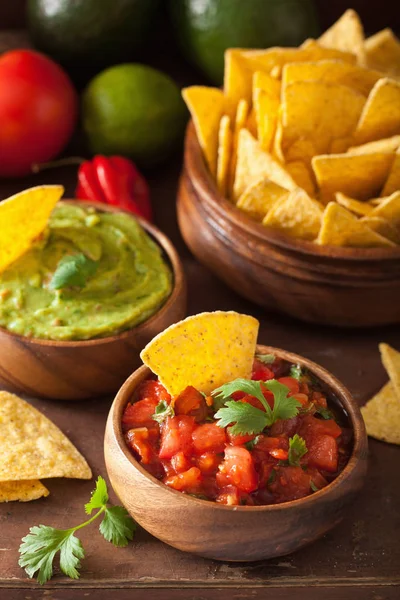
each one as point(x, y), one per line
point(40, 546)
point(248, 419)
point(296, 372)
point(267, 359)
point(73, 270)
point(297, 449)
point(162, 411)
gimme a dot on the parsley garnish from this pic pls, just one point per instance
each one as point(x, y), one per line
point(314, 487)
point(247, 418)
point(267, 359)
point(296, 372)
point(297, 449)
point(73, 270)
point(325, 413)
point(39, 547)
point(163, 410)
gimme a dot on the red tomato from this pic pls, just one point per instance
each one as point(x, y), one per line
point(139, 414)
point(290, 483)
point(261, 371)
point(285, 427)
point(189, 481)
point(38, 110)
point(291, 383)
point(311, 426)
point(208, 462)
point(323, 453)
point(154, 390)
point(239, 440)
point(208, 438)
point(176, 435)
point(238, 468)
point(191, 402)
point(140, 441)
point(180, 462)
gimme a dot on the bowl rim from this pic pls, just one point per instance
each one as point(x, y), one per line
point(346, 401)
point(174, 263)
point(200, 178)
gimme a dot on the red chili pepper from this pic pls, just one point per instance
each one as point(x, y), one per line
point(136, 185)
point(88, 185)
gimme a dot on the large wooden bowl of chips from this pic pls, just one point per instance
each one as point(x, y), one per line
point(73, 370)
point(352, 287)
point(233, 533)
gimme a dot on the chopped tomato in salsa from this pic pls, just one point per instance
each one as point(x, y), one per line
point(191, 448)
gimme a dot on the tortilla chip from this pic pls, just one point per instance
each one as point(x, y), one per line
point(32, 447)
point(391, 361)
point(206, 105)
point(266, 101)
point(355, 206)
point(381, 115)
point(314, 51)
point(392, 183)
point(347, 35)
point(24, 491)
point(386, 145)
point(253, 164)
point(277, 143)
point(319, 111)
point(341, 228)
point(302, 150)
point(376, 201)
point(333, 71)
point(340, 145)
point(382, 415)
point(302, 175)
point(346, 173)
point(23, 218)
point(258, 198)
point(224, 154)
point(251, 123)
point(383, 227)
point(205, 351)
point(389, 209)
point(296, 215)
point(383, 52)
point(240, 122)
point(238, 79)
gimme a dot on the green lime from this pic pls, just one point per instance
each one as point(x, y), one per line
point(135, 111)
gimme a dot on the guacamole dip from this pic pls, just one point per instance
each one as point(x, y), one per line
point(129, 282)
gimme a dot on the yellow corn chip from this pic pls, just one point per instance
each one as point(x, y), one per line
point(206, 105)
point(382, 415)
point(346, 173)
point(259, 197)
point(224, 154)
point(383, 227)
point(253, 164)
point(355, 206)
point(296, 215)
point(266, 101)
point(386, 145)
point(392, 183)
point(341, 228)
point(383, 52)
point(319, 111)
point(24, 491)
point(340, 145)
point(23, 218)
point(302, 150)
point(376, 201)
point(391, 361)
point(389, 209)
point(238, 79)
point(380, 117)
point(251, 123)
point(32, 447)
point(302, 175)
point(347, 35)
point(190, 352)
point(277, 143)
point(240, 122)
point(334, 71)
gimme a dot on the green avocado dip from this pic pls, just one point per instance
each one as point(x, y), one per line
point(127, 282)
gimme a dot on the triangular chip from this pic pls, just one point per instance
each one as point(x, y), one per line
point(302, 150)
point(340, 145)
point(302, 175)
point(391, 361)
point(389, 209)
point(238, 79)
point(277, 142)
point(258, 198)
point(341, 228)
point(24, 491)
point(266, 101)
point(225, 137)
point(205, 351)
point(319, 111)
point(392, 184)
point(383, 227)
point(241, 117)
point(355, 206)
point(32, 447)
point(253, 164)
point(382, 415)
point(347, 35)
point(296, 215)
point(389, 145)
point(206, 105)
point(380, 117)
point(346, 173)
point(23, 218)
point(383, 52)
point(251, 123)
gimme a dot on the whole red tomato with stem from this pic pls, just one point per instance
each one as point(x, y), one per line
point(38, 111)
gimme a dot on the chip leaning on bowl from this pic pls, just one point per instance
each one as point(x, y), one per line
point(306, 140)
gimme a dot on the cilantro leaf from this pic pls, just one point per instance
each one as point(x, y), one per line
point(99, 496)
point(296, 372)
point(284, 407)
point(267, 359)
point(71, 552)
point(247, 419)
point(248, 386)
point(297, 449)
point(252, 443)
point(314, 487)
point(73, 270)
point(325, 413)
point(163, 410)
point(117, 526)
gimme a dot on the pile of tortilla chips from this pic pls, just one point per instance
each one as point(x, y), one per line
point(306, 140)
point(382, 413)
point(33, 448)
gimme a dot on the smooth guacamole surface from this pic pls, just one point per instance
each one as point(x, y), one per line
point(131, 281)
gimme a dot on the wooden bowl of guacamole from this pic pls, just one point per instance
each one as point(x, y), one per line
point(77, 308)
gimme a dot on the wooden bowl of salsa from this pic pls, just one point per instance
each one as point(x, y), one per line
point(199, 488)
point(71, 369)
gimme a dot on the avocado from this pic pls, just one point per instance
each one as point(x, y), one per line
point(90, 32)
point(207, 28)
